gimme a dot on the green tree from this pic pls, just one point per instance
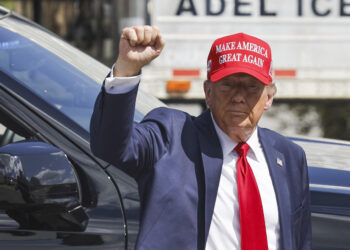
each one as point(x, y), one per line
point(335, 119)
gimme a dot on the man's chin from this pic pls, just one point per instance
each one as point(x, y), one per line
point(238, 122)
point(240, 125)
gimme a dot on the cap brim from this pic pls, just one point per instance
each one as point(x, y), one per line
point(229, 71)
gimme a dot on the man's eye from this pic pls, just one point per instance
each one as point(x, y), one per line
point(225, 85)
point(252, 86)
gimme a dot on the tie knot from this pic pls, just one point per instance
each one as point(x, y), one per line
point(242, 148)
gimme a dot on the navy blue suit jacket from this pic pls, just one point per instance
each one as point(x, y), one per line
point(176, 160)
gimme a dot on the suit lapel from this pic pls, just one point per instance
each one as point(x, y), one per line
point(279, 175)
point(212, 163)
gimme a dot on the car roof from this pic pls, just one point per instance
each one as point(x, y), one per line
point(326, 153)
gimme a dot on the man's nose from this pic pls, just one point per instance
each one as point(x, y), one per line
point(238, 93)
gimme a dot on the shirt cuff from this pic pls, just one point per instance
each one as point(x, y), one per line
point(121, 85)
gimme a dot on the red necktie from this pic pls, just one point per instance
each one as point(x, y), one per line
point(253, 231)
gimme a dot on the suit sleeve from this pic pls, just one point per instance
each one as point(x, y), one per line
point(115, 138)
point(306, 234)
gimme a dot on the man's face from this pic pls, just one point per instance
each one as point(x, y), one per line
point(238, 101)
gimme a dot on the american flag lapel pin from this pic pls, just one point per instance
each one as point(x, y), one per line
point(279, 162)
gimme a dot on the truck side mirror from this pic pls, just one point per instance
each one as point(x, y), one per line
point(39, 187)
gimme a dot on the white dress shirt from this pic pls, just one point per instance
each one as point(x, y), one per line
point(120, 85)
point(224, 232)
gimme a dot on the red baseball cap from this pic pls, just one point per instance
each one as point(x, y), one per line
point(240, 53)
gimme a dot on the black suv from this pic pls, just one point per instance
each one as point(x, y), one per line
point(54, 194)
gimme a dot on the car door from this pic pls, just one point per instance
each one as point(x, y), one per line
point(99, 196)
point(329, 173)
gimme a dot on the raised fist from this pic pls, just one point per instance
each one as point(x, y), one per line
point(138, 46)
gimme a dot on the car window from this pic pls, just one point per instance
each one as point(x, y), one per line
point(10, 131)
point(53, 79)
point(63, 76)
point(8, 136)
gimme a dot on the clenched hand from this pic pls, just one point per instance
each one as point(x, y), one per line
point(138, 46)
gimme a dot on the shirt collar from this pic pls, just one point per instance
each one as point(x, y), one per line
point(227, 144)
point(254, 143)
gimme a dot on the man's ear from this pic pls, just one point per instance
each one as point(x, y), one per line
point(271, 91)
point(207, 85)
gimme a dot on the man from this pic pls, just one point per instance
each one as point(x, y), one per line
point(216, 181)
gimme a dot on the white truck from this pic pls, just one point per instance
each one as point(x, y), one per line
point(310, 41)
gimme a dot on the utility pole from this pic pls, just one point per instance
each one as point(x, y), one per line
point(126, 13)
point(37, 11)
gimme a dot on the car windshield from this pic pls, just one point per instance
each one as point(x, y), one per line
point(63, 76)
